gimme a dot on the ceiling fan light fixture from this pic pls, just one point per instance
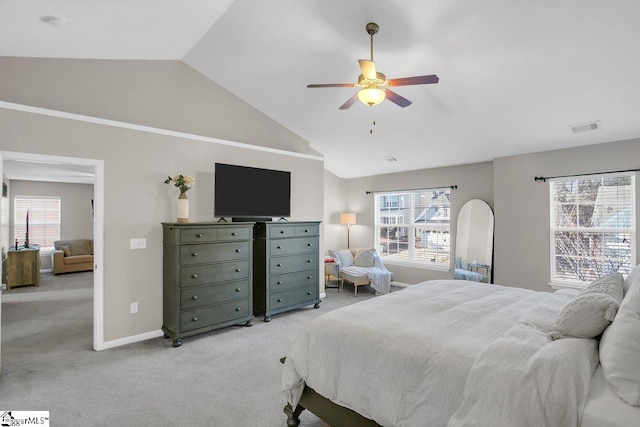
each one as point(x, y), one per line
point(371, 96)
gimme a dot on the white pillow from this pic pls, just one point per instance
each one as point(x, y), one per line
point(633, 275)
point(620, 347)
point(365, 258)
point(591, 311)
point(345, 257)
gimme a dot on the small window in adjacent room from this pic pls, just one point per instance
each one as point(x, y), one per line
point(412, 227)
point(44, 220)
point(592, 227)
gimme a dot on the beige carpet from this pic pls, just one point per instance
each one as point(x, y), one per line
point(229, 377)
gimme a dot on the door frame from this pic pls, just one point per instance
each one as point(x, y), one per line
point(98, 229)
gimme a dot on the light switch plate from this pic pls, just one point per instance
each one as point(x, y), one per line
point(138, 243)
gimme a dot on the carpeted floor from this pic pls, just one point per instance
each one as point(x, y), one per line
point(229, 377)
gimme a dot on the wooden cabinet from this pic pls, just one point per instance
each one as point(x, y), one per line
point(285, 266)
point(206, 277)
point(23, 267)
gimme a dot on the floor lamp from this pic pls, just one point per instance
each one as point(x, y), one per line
point(347, 219)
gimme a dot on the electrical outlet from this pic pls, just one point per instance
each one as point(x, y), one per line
point(134, 307)
point(138, 244)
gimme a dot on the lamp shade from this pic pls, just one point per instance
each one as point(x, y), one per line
point(347, 218)
point(371, 96)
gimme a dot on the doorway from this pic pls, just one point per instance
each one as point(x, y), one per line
point(30, 160)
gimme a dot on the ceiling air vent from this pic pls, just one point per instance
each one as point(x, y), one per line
point(390, 159)
point(585, 127)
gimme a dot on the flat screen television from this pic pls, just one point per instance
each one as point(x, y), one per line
point(243, 192)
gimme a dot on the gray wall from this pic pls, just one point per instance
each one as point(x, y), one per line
point(136, 163)
point(75, 209)
point(474, 181)
point(522, 240)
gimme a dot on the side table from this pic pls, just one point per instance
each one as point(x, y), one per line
point(23, 266)
point(332, 269)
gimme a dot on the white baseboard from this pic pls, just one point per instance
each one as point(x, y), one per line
point(323, 295)
point(130, 340)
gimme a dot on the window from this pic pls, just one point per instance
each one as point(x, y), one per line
point(592, 227)
point(412, 227)
point(44, 220)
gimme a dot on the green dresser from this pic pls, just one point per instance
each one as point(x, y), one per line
point(206, 277)
point(285, 266)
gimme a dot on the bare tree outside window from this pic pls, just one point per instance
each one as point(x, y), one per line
point(592, 227)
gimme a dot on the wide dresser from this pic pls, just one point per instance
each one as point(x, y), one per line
point(285, 266)
point(207, 275)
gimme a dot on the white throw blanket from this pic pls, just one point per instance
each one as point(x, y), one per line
point(380, 279)
point(446, 353)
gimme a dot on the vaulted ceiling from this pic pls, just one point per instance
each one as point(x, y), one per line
point(515, 76)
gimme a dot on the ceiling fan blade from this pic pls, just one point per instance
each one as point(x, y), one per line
point(332, 85)
point(397, 99)
point(349, 102)
point(368, 69)
point(417, 80)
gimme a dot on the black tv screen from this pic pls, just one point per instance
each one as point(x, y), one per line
point(242, 191)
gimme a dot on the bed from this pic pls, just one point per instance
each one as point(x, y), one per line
point(451, 353)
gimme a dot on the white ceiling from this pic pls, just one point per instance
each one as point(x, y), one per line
point(514, 75)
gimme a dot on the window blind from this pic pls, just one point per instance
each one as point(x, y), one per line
point(44, 220)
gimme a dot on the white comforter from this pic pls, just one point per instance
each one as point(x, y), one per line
point(446, 352)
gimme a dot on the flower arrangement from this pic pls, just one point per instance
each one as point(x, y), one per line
point(183, 182)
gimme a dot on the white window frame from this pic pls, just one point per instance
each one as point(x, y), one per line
point(558, 283)
point(19, 220)
point(412, 259)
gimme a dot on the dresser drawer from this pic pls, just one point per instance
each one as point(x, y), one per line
point(307, 230)
point(282, 231)
point(234, 233)
point(289, 264)
point(293, 246)
point(222, 272)
point(197, 235)
point(293, 296)
point(199, 254)
point(208, 316)
point(205, 295)
point(282, 282)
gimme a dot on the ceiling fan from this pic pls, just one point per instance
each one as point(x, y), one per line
point(374, 85)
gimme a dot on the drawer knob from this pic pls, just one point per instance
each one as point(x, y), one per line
point(237, 251)
point(308, 293)
point(308, 260)
point(194, 254)
point(279, 299)
point(199, 235)
point(306, 231)
point(234, 234)
point(195, 297)
point(237, 270)
point(281, 231)
point(194, 319)
point(237, 308)
point(308, 244)
point(194, 276)
point(278, 247)
point(309, 277)
point(278, 282)
point(237, 289)
point(278, 265)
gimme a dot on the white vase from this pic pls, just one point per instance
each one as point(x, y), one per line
point(183, 208)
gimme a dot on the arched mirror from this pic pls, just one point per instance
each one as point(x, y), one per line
point(474, 242)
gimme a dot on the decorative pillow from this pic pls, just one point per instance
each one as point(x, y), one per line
point(365, 258)
point(633, 275)
point(344, 255)
point(620, 347)
point(66, 250)
point(591, 311)
point(79, 248)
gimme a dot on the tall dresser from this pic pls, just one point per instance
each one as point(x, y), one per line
point(285, 266)
point(206, 277)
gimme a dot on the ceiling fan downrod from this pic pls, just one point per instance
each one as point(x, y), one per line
point(372, 28)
